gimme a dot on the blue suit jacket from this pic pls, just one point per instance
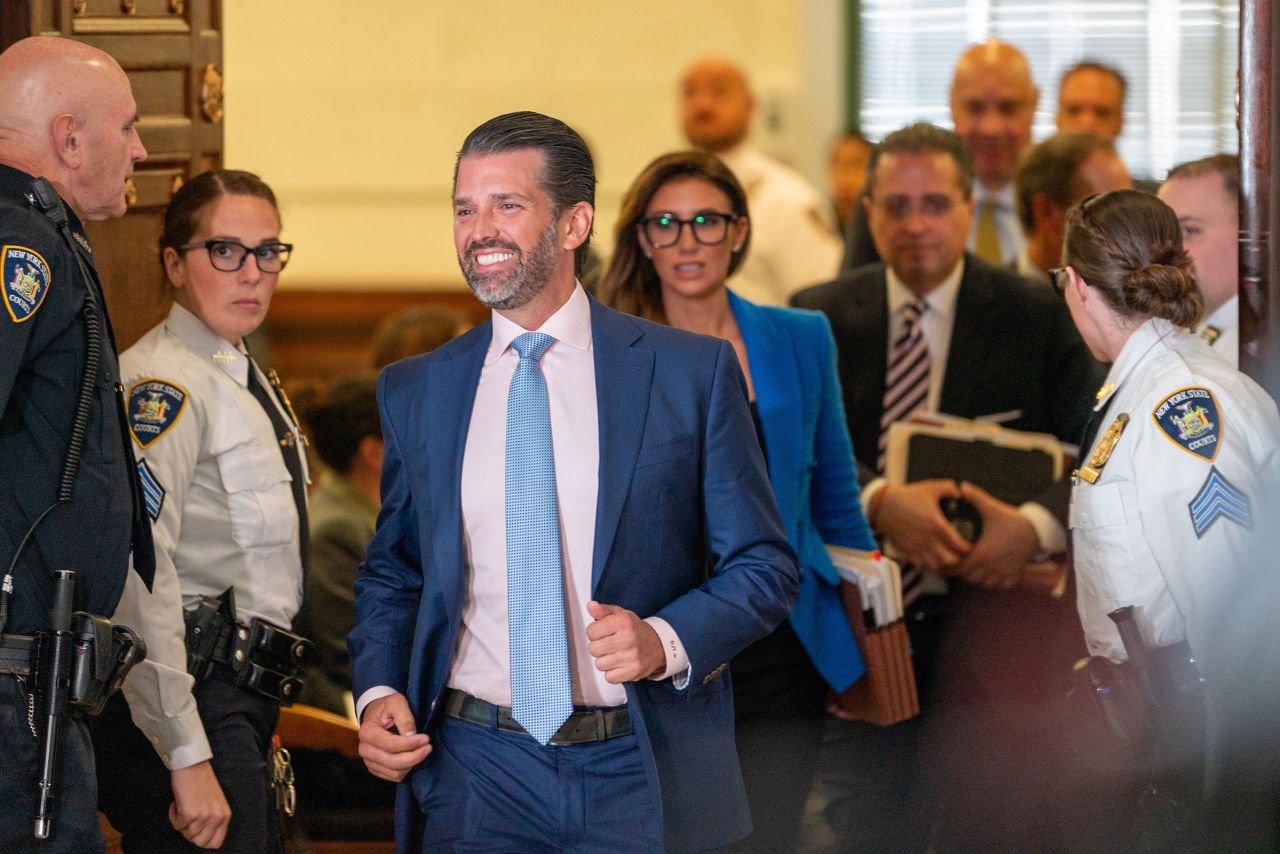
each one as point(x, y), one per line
point(792, 356)
point(686, 528)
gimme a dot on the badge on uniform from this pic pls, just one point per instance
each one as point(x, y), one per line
point(1092, 470)
point(1219, 499)
point(26, 281)
point(152, 492)
point(1191, 420)
point(154, 407)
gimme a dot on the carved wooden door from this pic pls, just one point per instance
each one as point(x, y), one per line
point(172, 52)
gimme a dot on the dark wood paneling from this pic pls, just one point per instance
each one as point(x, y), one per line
point(313, 334)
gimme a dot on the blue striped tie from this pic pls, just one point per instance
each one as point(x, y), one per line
point(541, 691)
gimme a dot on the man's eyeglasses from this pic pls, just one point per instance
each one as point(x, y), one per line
point(1058, 278)
point(228, 255)
point(932, 205)
point(709, 228)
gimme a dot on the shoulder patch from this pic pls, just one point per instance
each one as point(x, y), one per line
point(154, 406)
point(1190, 418)
point(1219, 499)
point(26, 281)
point(152, 492)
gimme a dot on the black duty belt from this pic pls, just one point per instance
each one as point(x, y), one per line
point(16, 654)
point(582, 727)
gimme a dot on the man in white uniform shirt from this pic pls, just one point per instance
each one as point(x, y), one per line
point(1205, 194)
point(794, 242)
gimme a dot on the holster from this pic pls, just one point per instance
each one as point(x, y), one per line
point(265, 658)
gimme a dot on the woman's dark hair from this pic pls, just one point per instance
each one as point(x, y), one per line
point(180, 218)
point(341, 417)
point(1127, 245)
point(631, 283)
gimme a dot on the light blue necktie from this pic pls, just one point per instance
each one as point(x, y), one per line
point(541, 691)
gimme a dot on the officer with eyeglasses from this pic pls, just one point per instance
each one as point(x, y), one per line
point(224, 474)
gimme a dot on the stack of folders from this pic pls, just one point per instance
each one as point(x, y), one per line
point(871, 589)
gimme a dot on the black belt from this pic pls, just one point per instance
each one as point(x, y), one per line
point(15, 654)
point(582, 727)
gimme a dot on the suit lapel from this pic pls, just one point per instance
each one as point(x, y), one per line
point(972, 332)
point(624, 375)
point(775, 375)
point(447, 401)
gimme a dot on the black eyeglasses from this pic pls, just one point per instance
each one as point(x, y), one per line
point(228, 255)
point(709, 228)
point(1058, 278)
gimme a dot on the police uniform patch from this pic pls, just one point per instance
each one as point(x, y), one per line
point(1219, 499)
point(26, 281)
point(1191, 419)
point(152, 492)
point(154, 406)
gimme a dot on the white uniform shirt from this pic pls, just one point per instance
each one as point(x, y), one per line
point(1148, 532)
point(1223, 326)
point(794, 239)
point(223, 514)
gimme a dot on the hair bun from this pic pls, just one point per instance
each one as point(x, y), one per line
point(1167, 290)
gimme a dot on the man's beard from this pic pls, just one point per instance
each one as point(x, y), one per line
point(519, 285)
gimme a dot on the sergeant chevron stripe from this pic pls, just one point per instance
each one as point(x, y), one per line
point(1217, 499)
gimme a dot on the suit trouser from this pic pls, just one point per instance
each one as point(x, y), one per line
point(75, 815)
point(135, 789)
point(494, 790)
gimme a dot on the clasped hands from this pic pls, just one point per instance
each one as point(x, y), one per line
point(625, 648)
point(909, 516)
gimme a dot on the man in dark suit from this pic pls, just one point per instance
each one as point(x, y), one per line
point(664, 546)
point(986, 344)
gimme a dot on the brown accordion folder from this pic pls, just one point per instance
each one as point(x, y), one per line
point(886, 694)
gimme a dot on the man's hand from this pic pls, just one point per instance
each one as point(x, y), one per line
point(199, 810)
point(625, 647)
point(1008, 542)
point(390, 744)
point(910, 518)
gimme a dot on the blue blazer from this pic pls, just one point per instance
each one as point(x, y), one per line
point(686, 529)
point(792, 357)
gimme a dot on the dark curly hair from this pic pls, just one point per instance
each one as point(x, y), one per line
point(1127, 245)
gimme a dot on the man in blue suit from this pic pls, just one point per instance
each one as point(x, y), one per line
point(666, 552)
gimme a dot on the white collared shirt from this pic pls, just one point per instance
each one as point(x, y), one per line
point(935, 323)
point(1226, 320)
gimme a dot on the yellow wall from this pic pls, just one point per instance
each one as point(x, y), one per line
point(353, 111)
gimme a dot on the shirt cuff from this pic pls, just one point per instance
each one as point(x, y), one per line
point(374, 693)
point(1049, 531)
point(677, 669)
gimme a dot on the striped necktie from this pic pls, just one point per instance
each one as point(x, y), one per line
point(906, 386)
point(541, 688)
point(906, 389)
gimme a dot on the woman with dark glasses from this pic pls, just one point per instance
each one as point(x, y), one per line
point(683, 231)
point(224, 477)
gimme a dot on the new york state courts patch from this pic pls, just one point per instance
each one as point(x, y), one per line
point(154, 406)
point(1190, 418)
point(26, 281)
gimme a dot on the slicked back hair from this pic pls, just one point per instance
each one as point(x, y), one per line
point(567, 174)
